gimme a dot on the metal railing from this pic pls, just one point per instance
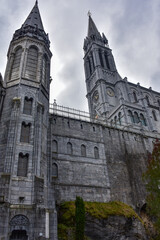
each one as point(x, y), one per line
point(69, 112)
point(85, 116)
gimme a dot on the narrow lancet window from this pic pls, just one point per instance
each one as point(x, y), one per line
point(31, 65)
point(101, 59)
point(27, 106)
point(54, 146)
point(25, 132)
point(143, 120)
point(96, 152)
point(106, 60)
point(136, 117)
point(44, 71)
point(154, 115)
point(16, 64)
point(22, 165)
point(54, 170)
point(83, 150)
point(135, 97)
point(131, 116)
point(69, 148)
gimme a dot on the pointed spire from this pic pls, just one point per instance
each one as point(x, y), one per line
point(32, 27)
point(92, 29)
point(34, 18)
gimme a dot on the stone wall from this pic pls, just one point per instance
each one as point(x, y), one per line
point(115, 175)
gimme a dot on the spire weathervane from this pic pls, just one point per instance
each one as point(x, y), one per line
point(89, 14)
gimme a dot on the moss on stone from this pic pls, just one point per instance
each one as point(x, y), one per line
point(103, 210)
point(66, 215)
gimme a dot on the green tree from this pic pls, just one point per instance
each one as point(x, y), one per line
point(80, 218)
point(152, 178)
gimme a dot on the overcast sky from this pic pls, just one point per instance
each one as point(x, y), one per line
point(131, 26)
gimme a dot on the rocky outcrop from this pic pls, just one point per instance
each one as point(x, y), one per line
point(114, 228)
point(103, 221)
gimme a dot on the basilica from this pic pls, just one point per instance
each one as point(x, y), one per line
point(50, 153)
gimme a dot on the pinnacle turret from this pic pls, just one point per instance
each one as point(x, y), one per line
point(33, 27)
point(94, 35)
point(34, 18)
point(92, 29)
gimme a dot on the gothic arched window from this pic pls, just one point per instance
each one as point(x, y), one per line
point(101, 58)
point(32, 63)
point(54, 170)
point(115, 120)
point(135, 97)
point(96, 152)
point(92, 60)
point(16, 64)
point(83, 150)
point(19, 220)
point(106, 59)
point(136, 117)
point(89, 66)
point(154, 115)
point(143, 120)
point(131, 116)
point(25, 132)
point(69, 148)
point(54, 146)
point(22, 165)
point(44, 71)
point(27, 109)
point(147, 99)
point(119, 118)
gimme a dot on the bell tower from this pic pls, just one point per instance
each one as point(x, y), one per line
point(100, 72)
point(23, 127)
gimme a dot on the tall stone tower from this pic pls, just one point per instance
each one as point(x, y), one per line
point(100, 71)
point(23, 139)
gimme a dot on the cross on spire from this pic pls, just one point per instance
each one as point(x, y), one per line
point(89, 13)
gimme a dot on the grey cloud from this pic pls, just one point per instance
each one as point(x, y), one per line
point(131, 26)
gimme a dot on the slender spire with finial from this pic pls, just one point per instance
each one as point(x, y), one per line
point(89, 13)
point(92, 29)
point(32, 26)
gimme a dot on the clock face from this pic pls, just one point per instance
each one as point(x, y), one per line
point(110, 92)
point(95, 96)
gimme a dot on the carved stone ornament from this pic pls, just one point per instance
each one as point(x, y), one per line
point(19, 220)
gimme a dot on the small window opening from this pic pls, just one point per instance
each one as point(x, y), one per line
point(69, 148)
point(154, 115)
point(25, 132)
point(22, 165)
point(54, 146)
point(83, 150)
point(96, 152)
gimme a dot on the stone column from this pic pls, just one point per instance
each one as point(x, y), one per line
point(11, 141)
point(9, 67)
point(47, 225)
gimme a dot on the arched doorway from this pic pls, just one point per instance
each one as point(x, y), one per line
point(19, 227)
point(19, 235)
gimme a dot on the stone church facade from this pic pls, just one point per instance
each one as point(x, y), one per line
point(50, 153)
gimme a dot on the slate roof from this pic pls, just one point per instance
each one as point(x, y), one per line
point(34, 18)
